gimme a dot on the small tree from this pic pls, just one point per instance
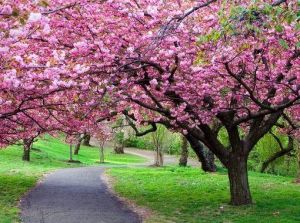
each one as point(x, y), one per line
point(184, 151)
point(159, 140)
point(103, 134)
point(71, 153)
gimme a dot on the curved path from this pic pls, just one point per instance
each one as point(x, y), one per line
point(76, 195)
point(168, 159)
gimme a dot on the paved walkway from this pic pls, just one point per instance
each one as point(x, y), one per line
point(168, 159)
point(76, 195)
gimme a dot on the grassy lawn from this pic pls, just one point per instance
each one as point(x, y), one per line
point(188, 195)
point(17, 177)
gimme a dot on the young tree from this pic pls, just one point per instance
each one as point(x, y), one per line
point(103, 134)
point(71, 153)
point(159, 140)
point(184, 151)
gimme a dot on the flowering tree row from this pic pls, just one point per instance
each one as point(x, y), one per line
point(193, 66)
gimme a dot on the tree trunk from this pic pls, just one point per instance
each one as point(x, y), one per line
point(77, 147)
point(86, 139)
point(184, 152)
point(71, 152)
point(298, 174)
point(210, 159)
point(26, 149)
point(238, 179)
point(101, 154)
point(119, 149)
point(298, 162)
point(159, 159)
point(206, 159)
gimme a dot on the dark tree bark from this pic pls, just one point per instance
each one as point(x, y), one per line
point(238, 180)
point(27, 143)
point(119, 149)
point(86, 139)
point(184, 151)
point(78, 144)
point(206, 160)
point(210, 158)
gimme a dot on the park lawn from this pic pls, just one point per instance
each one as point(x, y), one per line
point(48, 154)
point(178, 194)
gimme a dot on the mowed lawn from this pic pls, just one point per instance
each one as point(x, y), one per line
point(178, 194)
point(48, 154)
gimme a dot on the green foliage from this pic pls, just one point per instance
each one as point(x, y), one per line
point(172, 144)
point(119, 137)
point(17, 177)
point(265, 148)
point(189, 195)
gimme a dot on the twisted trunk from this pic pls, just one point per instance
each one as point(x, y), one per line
point(86, 139)
point(78, 144)
point(205, 156)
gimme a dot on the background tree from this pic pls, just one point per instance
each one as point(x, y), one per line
point(160, 142)
point(184, 152)
point(80, 138)
point(102, 134)
point(86, 139)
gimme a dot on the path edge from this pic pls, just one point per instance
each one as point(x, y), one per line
point(143, 212)
point(21, 201)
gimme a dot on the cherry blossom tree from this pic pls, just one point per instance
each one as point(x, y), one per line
point(233, 65)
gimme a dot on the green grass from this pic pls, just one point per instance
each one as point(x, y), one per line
point(17, 177)
point(188, 195)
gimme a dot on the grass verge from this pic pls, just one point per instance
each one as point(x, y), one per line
point(177, 194)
